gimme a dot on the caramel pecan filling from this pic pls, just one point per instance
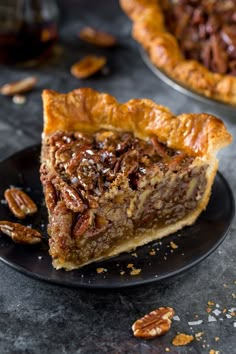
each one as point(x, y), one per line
point(106, 186)
point(90, 163)
point(206, 31)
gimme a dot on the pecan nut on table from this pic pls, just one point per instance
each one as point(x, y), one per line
point(20, 203)
point(88, 66)
point(96, 37)
point(20, 233)
point(154, 324)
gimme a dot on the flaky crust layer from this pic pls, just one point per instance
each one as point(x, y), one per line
point(164, 52)
point(86, 110)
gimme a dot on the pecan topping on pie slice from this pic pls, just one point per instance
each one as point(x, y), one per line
point(194, 42)
point(117, 176)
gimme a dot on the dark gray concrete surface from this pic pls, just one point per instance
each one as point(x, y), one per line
point(37, 317)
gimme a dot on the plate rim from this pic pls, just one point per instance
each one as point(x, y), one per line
point(134, 283)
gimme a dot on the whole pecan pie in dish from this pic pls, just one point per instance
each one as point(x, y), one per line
point(117, 176)
point(192, 41)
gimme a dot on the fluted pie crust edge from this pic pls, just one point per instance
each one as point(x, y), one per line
point(165, 53)
point(86, 110)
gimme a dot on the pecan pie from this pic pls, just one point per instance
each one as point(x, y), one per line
point(117, 176)
point(192, 41)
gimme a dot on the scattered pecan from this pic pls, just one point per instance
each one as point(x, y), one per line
point(20, 86)
point(20, 203)
point(88, 66)
point(20, 233)
point(156, 323)
point(182, 339)
point(99, 38)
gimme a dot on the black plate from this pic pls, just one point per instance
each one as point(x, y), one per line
point(194, 243)
point(183, 89)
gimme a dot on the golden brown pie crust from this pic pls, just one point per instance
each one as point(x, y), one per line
point(164, 52)
point(86, 110)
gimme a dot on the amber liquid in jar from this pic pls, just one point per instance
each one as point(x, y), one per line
point(27, 30)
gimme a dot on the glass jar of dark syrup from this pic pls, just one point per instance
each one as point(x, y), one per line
point(28, 30)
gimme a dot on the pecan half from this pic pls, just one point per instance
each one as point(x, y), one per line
point(220, 60)
point(20, 203)
point(154, 324)
point(81, 225)
point(99, 38)
point(50, 196)
point(175, 162)
point(20, 233)
point(20, 86)
point(87, 66)
point(160, 149)
point(70, 196)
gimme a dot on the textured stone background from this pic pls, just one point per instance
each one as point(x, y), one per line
point(36, 317)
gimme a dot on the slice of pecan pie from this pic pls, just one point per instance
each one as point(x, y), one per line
point(117, 176)
point(194, 42)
